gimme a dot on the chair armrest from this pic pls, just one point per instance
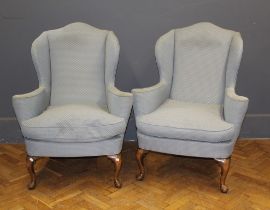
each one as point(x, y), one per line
point(30, 104)
point(146, 100)
point(119, 102)
point(235, 107)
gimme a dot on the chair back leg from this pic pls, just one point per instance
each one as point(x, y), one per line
point(140, 155)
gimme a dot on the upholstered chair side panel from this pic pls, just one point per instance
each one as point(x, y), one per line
point(164, 52)
point(147, 100)
point(119, 103)
point(235, 107)
point(234, 60)
point(34, 103)
point(41, 58)
point(112, 49)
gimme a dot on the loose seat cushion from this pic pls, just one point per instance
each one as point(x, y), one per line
point(73, 123)
point(186, 121)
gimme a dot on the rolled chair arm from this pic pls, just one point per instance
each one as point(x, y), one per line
point(31, 104)
point(146, 100)
point(119, 102)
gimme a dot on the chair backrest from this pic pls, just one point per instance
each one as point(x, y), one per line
point(72, 63)
point(199, 63)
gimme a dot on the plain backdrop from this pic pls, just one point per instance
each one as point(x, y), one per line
point(137, 24)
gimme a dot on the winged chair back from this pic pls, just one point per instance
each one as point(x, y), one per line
point(193, 110)
point(76, 63)
point(76, 111)
point(198, 62)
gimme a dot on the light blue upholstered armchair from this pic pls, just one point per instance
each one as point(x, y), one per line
point(76, 111)
point(193, 110)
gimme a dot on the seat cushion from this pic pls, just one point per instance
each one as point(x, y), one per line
point(73, 123)
point(186, 121)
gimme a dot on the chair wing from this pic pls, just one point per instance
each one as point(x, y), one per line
point(119, 102)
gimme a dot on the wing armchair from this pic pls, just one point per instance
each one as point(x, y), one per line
point(193, 110)
point(76, 111)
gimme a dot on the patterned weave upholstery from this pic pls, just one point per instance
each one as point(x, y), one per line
point(69, 123)
point(77, 66)
point(76, 101)
point(200, 63)
point(175, 118)
point(194, 104)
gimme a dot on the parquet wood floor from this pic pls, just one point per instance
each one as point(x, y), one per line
point(171, 182)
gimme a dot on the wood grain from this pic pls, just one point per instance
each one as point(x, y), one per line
point(171, 182)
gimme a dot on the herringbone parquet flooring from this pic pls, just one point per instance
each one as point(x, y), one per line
point(171, 182)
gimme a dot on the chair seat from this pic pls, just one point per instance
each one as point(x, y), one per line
point(186, 121)
point(73, 123)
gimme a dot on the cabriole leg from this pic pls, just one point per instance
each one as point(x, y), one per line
point(140, 155)
point(117, 160)
point(30, 162)
point(224, 166)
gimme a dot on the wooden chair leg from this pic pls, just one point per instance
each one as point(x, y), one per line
point(140, 155)
point(117, 160)
point(30, 162)
point(224, 166)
